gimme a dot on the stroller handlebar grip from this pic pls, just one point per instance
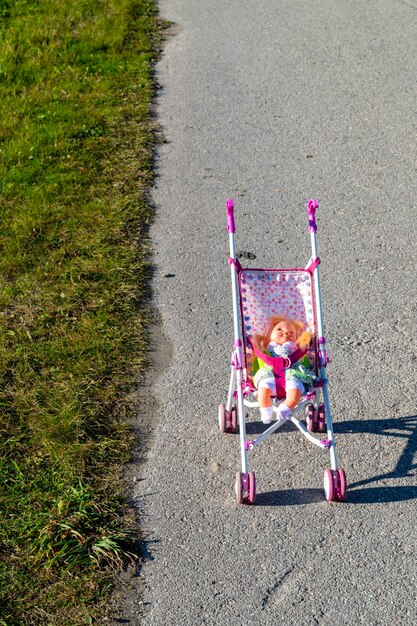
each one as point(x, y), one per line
point(313, 204)
point(230, 206)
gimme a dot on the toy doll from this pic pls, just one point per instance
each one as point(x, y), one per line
point(283, 337)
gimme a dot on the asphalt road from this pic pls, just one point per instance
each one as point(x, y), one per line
point(271, 103)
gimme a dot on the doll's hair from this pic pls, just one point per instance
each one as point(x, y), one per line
point(303, 338)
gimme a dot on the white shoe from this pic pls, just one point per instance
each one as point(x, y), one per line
point(266, 414)
point(284, 412)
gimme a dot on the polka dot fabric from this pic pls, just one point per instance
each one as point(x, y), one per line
point(275, 292)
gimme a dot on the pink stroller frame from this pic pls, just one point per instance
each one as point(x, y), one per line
point(257, 295)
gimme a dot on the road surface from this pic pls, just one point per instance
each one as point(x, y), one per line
point(271, 103)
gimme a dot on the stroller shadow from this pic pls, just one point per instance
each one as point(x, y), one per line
point(360, 492)
point(257, 428)
point(289, 497)
point(375, 495)
point(403, 428)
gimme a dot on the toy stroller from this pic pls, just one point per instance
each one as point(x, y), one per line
point(258, 294)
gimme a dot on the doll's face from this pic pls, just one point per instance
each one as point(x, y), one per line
point(283, 332)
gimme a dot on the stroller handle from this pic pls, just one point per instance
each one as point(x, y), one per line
point(230, 207)
point(313, 204)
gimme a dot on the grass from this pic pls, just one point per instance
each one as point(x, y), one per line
point(76, 164)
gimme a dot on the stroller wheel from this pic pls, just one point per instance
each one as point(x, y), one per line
point(315, 418)
point(233, 419)
point(341, 485)
point(238, 488)
point(329, 485)
point(251, 488)
point(321, 419)
point(222, 418)
point(311, 418)
point(245, 486)
point(335, 485)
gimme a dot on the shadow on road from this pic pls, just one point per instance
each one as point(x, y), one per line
point(373, 495)
point(403, 427)
point(289, 497)
point(257, 428)
point(369, 495)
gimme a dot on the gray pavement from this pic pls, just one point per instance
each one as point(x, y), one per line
point(273, 103)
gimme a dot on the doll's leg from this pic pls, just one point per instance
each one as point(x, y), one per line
point(265, 404)
point(264, 397)
point(292, 398)
point(294, 391)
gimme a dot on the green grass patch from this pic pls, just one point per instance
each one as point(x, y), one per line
point(75, 166)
